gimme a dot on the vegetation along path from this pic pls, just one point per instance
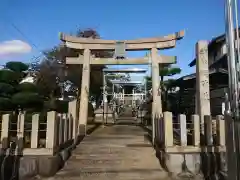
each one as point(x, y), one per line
point(113, 152)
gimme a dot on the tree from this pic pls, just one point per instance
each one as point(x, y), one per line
point(13, 94)
point(167, 86)
point(168, 71)
point(53, 73)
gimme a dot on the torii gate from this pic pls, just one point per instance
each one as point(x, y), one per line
point(152, 44)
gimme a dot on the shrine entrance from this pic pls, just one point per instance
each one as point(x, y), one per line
point(121, 95)
point(120, 48)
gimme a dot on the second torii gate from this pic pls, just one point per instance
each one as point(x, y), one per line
point(152, 44)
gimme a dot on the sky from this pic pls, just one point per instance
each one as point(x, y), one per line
point(28, 27)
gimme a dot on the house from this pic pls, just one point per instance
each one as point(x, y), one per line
point(218, 79)
point(217, 53)
point(30, 78)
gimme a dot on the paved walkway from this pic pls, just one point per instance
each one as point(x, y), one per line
point(119, 152)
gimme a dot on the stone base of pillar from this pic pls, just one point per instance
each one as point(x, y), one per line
point(181, 166)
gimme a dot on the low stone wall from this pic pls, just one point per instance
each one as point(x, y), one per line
point(30, 164)
point(44, 166)
point(198, 165)
point(186, 153)
point(27, 166)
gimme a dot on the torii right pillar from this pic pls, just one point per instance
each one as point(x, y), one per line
point(202, 82)
point(157, 100)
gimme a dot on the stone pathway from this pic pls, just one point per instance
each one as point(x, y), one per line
point(118, 152)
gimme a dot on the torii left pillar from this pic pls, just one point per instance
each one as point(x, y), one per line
point(83, 109)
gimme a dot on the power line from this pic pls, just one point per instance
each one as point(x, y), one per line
point(20, 32)
point(7, 19)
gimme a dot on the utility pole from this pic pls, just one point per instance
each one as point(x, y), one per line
point(237, 32)
point(232, 98)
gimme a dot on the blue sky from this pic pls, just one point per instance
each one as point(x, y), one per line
point(41, 21)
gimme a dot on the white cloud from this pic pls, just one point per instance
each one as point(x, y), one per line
point(14, 47)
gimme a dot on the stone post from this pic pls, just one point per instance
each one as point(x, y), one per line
point(196, 130)
point(196, 99)
point(183, 129)
point(83, 111)
point(52, 131)
point(5, 131)
point(72, 106)
point(105, 101)
point(70, 131)
point(20, 131)
point(168, 129)
point(66, 128)
point(157, 101)
point(202, 81)
point(61, 130)
point(35, 131)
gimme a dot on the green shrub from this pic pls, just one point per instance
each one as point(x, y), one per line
point(26, 100)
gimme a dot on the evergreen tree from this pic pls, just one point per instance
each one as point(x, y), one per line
point(15, 95)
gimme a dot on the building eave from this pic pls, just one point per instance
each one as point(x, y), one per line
point(211, 71)
point(192, 63)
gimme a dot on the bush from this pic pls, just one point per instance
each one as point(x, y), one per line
point(6, 89)
point(56, 105)
point(16, 66)
point(9, 77)
point(27, 100)
point(5, 104)
point(27, 87)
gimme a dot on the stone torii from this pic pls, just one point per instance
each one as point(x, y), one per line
point(152, 44)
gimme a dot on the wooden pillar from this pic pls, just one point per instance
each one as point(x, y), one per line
point(83, 111)
point(202, 81)
point(157, 102)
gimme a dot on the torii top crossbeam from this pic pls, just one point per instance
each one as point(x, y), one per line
point(163, 42)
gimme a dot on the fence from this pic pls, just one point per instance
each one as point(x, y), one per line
point(40, 133)
point(186, 147)
point(185, 136)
